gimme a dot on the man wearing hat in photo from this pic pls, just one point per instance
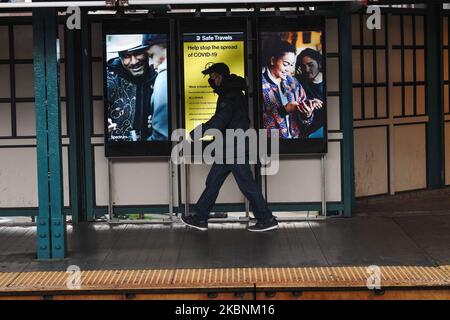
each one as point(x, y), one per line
point(158, 119)
point(129, 87)
point(231, 113)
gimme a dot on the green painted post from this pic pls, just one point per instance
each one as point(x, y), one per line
point(87, 112)
point(345, 70)
point(73, 125)
point(58, 226)
point(435, 103)
point(43, 218)
point(51, 220)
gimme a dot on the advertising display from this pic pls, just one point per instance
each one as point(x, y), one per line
point(293, 95)
point(136, 93)
point(201, 50)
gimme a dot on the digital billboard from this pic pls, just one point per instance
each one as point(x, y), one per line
point(201, 50)
point(292, 87)
point(137, 120)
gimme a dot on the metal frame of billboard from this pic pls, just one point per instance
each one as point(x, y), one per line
point(105, 3)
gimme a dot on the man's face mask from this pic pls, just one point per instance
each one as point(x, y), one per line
point(212, 83)
point(214, 80)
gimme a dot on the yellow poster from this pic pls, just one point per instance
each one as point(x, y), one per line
point(201, 50)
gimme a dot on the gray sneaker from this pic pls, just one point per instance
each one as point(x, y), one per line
point(194, 222)
point(262, 226)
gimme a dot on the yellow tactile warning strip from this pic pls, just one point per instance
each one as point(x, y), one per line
point(446, 269)
point(327, 277)
point(7, 278)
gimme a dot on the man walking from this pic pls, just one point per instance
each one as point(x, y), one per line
point(231, 113)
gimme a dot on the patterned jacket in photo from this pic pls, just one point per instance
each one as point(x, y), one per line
point(274, 113)
point(128, 101)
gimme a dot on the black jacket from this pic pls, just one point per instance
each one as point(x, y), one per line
point(312, 91)
point(231, 108)
point(231, 113)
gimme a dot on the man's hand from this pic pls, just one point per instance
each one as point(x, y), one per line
point(111, 125)
point(317, 104)
point(149, 121)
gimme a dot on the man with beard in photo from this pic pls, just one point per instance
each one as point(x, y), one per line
point(129, 88)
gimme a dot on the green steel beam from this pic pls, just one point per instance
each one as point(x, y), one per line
point(72, 99)
point(51, 220)
point(331, 206)
point(435, 101)
point(26, 212)
point(231, 207)
point(159, 209)
point(58, 226)
point(345, 70)
point(19, 212)
point(89, 201)
point(43, 219)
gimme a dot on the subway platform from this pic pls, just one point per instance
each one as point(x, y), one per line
point(301, 260)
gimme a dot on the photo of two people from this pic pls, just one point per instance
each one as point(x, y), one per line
point(293, 84)
point(137, 87)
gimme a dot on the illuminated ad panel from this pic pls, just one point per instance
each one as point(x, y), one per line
point(293, 85)
point(136, 93)
point(201, 50)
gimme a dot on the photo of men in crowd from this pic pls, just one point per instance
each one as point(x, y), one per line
point(136, 90)
point(292, 84)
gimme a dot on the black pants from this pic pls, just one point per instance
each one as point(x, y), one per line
point(246, 183)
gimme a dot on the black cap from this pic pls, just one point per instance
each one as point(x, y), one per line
point(220, 68)
point(154, 38)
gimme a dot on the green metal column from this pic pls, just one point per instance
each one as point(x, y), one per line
point(51, 219)
point(87, 117)
point(58, 226)
point(73, 86)
point(435, 103)
point(43, 219)
point(345, 69)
